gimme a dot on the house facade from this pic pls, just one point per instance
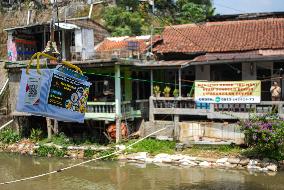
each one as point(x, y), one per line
point(125, 70)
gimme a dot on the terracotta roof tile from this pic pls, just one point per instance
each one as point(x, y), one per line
point(109, 44)
point(226, 36)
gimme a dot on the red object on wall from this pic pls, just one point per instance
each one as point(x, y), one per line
point(111, 130)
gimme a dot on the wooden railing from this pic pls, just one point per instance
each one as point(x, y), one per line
point(187, 106)
point(129, 109)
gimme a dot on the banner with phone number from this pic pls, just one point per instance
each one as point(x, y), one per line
point(227, 91)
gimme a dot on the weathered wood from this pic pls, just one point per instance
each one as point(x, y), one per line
point(49, 128)
point(179, 82)
point(55, 127)
point(151, 109)
point(176, 129)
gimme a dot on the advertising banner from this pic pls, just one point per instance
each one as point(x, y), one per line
point(59, 93)
point(227, 91)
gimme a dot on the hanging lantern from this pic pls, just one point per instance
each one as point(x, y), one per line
point(60, 93)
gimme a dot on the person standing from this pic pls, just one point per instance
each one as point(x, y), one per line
point(275, 91)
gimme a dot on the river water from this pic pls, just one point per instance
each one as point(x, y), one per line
point(126, 176)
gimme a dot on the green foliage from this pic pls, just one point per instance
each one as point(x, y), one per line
point(265, 135)
point(132, 17)
point(191, 12)
point(167, 91)
point(36, 135)
point(8, 136)
point(122, 22)
point(61, 139)
point(89, 153)
point(176, 92)
point(153, 146)
point(156, 90)
point(44, 151)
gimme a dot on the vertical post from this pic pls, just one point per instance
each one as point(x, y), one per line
point(176, 127)
point(179, 82)
point(55, 127)
point(49, 128)
point(44, 36)
point(63, 47)
point(151, 81)
point(128, 85)
point(151, 109)
point(117, 102)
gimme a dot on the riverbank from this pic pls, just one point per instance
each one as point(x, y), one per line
point(230, 158)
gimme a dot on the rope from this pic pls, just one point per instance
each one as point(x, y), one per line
point(81, 163)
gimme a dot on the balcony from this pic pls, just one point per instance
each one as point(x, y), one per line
point(105, 111)
point(187, 106)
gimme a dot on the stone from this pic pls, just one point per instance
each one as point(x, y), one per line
point(272, 167)
point(264, 169)
point(180, 146)
point(253, 167)
point(177, 157)
point(222, 160)
point(244, 161)
point(204, 164)
point(190, 158)
point(149, 160)
point(206, 159)
point(192, 163)
point(167, 160)
point(120, 147)
point(141, 156)
point(253, 163)
point(184, 164)
point(234, 160)
point(122, 157)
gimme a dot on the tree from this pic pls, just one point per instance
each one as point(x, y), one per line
point(132, 17)
point(122, 22)
point(191, 12)
point(194, 10)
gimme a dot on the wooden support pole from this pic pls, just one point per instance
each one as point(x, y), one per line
point(49, 128)
point(151, 81)
point(117, 103)
point(179, 82)
point(55, 127)
point(176, 127)
point(151, 109)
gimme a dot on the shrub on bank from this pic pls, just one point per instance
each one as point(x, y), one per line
point(9, 136)
point(264, 135)
point(44, 151)
point(153, 146)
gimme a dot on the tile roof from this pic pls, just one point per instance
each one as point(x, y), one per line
point(226, 36)
point(121, 43)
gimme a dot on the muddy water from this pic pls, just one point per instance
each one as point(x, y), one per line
point(121, 176)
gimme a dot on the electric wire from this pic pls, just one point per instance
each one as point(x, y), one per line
point(81, 163)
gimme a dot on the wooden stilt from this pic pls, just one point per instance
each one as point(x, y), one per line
point(49, 128)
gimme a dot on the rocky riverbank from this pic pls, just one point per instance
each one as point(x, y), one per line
point(80, 152)
point(256, 165)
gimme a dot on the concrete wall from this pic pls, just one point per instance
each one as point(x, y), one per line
point(202, 72)
point(14, 84)
point(196, 132)
point(248, 71)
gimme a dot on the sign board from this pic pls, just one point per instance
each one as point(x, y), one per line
point(68, 93)
point(228, 91)
point(133, 45)
point(59, 93)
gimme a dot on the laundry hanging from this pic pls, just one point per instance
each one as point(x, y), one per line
point(60, 93)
